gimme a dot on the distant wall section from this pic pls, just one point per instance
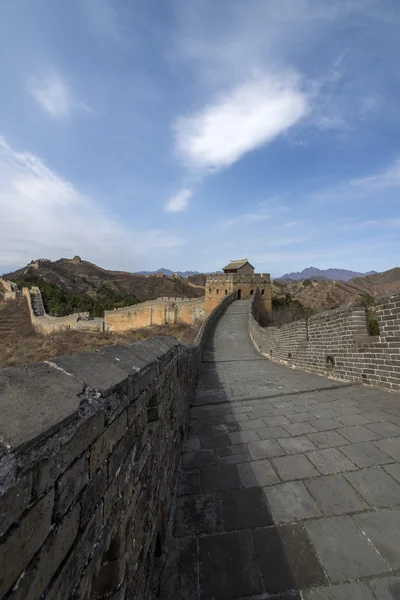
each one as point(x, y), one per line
point(163, 311)
point(220, 285)
point(337, 343)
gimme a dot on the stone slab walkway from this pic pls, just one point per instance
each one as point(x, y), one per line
point(289, 484)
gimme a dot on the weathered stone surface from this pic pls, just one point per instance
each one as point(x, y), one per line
point(93, 370)
point(21, 545)
point(257, 473)
point(383, 529)
point(334, 495)
point(343, 591)
point(386, 588)
point(244, 509)
point(376, 486)
point(106, 442)
point(291, 502)
point(294, 467)
point(70, 484)
point(366, 455)
point(344, 551)
point(330, 460)
point(14, 502)
point(179, 579)
point(36, 401)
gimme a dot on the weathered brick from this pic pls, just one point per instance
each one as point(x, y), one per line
point(14, 502)
point(106, 442)
point(70, 484)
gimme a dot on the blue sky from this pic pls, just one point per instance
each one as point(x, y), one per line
point(141, 134)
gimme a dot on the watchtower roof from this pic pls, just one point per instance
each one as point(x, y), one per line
point(236, 264)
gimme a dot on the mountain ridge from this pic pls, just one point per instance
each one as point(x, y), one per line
point(331, 274)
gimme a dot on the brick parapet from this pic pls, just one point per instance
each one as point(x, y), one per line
point(89, 446)
point(337, 343)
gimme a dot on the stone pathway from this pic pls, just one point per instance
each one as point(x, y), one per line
point(289, 484)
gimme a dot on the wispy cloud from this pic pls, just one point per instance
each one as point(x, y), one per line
point(387, 179)
point(53, 95)
point(240, 120)
point(105, 18)
point(179, 202)
point(42, 214)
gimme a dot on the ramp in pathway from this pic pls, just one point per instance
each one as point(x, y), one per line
point(289, 484)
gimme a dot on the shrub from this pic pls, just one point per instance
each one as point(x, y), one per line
point(373, 325)
point(307, 282)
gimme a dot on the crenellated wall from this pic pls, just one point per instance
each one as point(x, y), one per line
point(337, 343)
point(89, 446)
point(163, 311)
point(11, 291)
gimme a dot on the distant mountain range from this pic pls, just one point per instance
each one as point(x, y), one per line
point(169, 273)
point(332, 274)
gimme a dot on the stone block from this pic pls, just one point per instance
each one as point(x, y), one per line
point(384, 429)
point(330, 460)
point(287, 559)
point(327, 439)
point(394, 471)
point(47, 398)
point(343, 591)
point(220, 478)
point(24, 541)
point(188, 483)
point(334, 495)
point(385, 588)
point(14, 502)
point(178, 580)
point(228, 566)
point(257, 473)
point(297, 444)
point(40, 572)
point(294, 467)
point(70, 484)
point(93, 493)
point(49, 470)
point(199, 459)
point(291, 502)
point(272, 433)
point(265, 449)
point(391, 447)
point(365, 454)
point(241, 437)
point(358, 433)
point(244, 509)
point(93, 370)
point(197, 514)
point(106, 442)
point(300, 428)
point(376, 487)
point(345, 553)
point(382, 528)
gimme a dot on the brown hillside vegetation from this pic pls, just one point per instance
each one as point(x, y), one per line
point(87, 278)
point(317, 296)
point(20, 344)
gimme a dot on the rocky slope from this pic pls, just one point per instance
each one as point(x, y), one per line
point(321, 274)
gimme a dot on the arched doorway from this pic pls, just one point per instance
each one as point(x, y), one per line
point(239, 294)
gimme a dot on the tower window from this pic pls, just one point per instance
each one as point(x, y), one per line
point(262, 292)
point(251, 292)
point(217, 291)
point(226, 292)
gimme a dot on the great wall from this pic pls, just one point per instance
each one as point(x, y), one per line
point(97, 502)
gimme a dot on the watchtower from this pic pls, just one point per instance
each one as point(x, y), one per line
point(239, 276)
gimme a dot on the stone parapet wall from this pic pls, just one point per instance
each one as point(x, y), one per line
point(163, 311)
point(337, 343)
point(11, 291)
point(89, 447)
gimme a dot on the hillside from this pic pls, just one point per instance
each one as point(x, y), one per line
point(85, 278)
point(317, 296)
point(321, 274)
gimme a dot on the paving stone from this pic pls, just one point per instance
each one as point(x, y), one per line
point(391, 447)
point(383, 529)
point(385, 429)
point(178, 580)
point(294, 467)
point(244, 509)
point(358, 433)
point(230, 450)
point(188, 483)
point(196, 460)
point(291, 502)
point(197, 514)
point(191, 444)
point(228, 567)
point(218, 479)
point(366, 455)
point(300, 417)
point(287, 558)
point(330, 460)
point(325, 424)
point(327, 439)
point(295, 445)
point(253, 424)
point(326, 413)
point(376, 487)
point(300, 428)
point(386, 588)
point(349, 420)
point(257, 473)
point(241, 437)
point(215, 441)
point(394, 471)
point(335, 495)
point(265, 449)
point(274, 421)
point(343, 591)
point(270, 433)
point(344, 551)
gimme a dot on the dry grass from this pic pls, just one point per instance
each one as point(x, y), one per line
point(20, 344)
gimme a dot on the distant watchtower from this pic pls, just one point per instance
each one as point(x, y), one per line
point(238, 276)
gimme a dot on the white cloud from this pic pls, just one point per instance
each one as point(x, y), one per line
point(44, 215)
point(54, 97)
point(179, 201)
point(240, 120)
